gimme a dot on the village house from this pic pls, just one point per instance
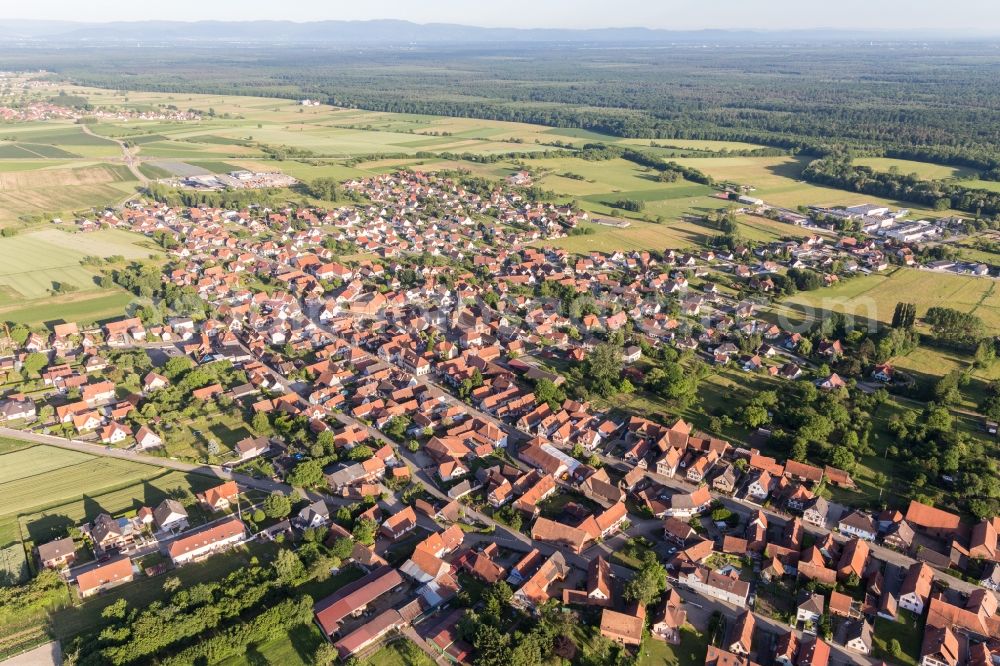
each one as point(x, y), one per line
point(57, 554)
point(352, 599)
point(207, 541)
point(105, 576)
point(221, 497)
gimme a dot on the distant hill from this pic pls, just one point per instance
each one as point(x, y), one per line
point(332, 33)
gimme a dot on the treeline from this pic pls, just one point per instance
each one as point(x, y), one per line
point(603, 151)
point(911, 103)
point(838, 171)
point(225, 199)
point(136, 635)
point(234, 641)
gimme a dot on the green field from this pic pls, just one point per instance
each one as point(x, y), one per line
point(30, 463)
point(907, 629)
point(875, 297)
point(924, 170)
point(47, 488)
point(95, 306)
point(62, 477)
point(32, 264)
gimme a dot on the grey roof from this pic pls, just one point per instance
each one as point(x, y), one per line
point(56, 549)
point(317, 508)
point(862, 630)
point(165, 509)
point(812, 603)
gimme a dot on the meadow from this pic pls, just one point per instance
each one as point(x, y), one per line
point(874, 297)
point(924, 170)
point(48, 476)
point(35, 263)
point(47, 489)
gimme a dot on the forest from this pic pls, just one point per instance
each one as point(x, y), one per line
point(919, 101)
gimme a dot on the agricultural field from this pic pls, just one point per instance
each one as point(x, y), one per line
point(924, 170)
point(35, 265)
point(874, 297)
point(61, 188)
point(43, 476)
point(47, 489)
point(992, 185)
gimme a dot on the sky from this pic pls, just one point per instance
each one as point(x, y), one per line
point(892, 15)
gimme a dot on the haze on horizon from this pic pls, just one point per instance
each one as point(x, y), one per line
point(976, 16)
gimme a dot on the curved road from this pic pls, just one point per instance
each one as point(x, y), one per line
point(127, 156)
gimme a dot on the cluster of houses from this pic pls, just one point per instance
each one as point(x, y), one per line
point(388, 340)
point(119, 543)
point(36, 111)
point(887, 233)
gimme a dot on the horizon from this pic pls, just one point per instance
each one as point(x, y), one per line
point(890, 16)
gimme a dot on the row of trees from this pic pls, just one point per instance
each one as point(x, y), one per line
point(838, 171)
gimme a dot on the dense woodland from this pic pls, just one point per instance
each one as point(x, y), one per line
point(918, 102)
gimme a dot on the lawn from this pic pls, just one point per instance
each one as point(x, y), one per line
point(189, 439)
point(399, 653)
point(691, 651)
point(85, 617)
point(908, 630)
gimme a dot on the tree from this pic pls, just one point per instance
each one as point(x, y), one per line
point(342, 548)
point(261, 422)
point(34, 362)
point(288, 567)
point(754, 416)
point(326, 654)
point(277, 505)
point(904, 316)
point(843, 458)
point(603, 368)
point(258, 516)
point(360, 452)
point(396, 427)
point(324, 188)
point(306, 474)
point(954, 327)
point(648, 583)
point(800, 449)
point(826, 626)
point(986, 353)
point(547, 392)
point(492, 646)
point(177, 366)
point(364, 531)
point(116, 610)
